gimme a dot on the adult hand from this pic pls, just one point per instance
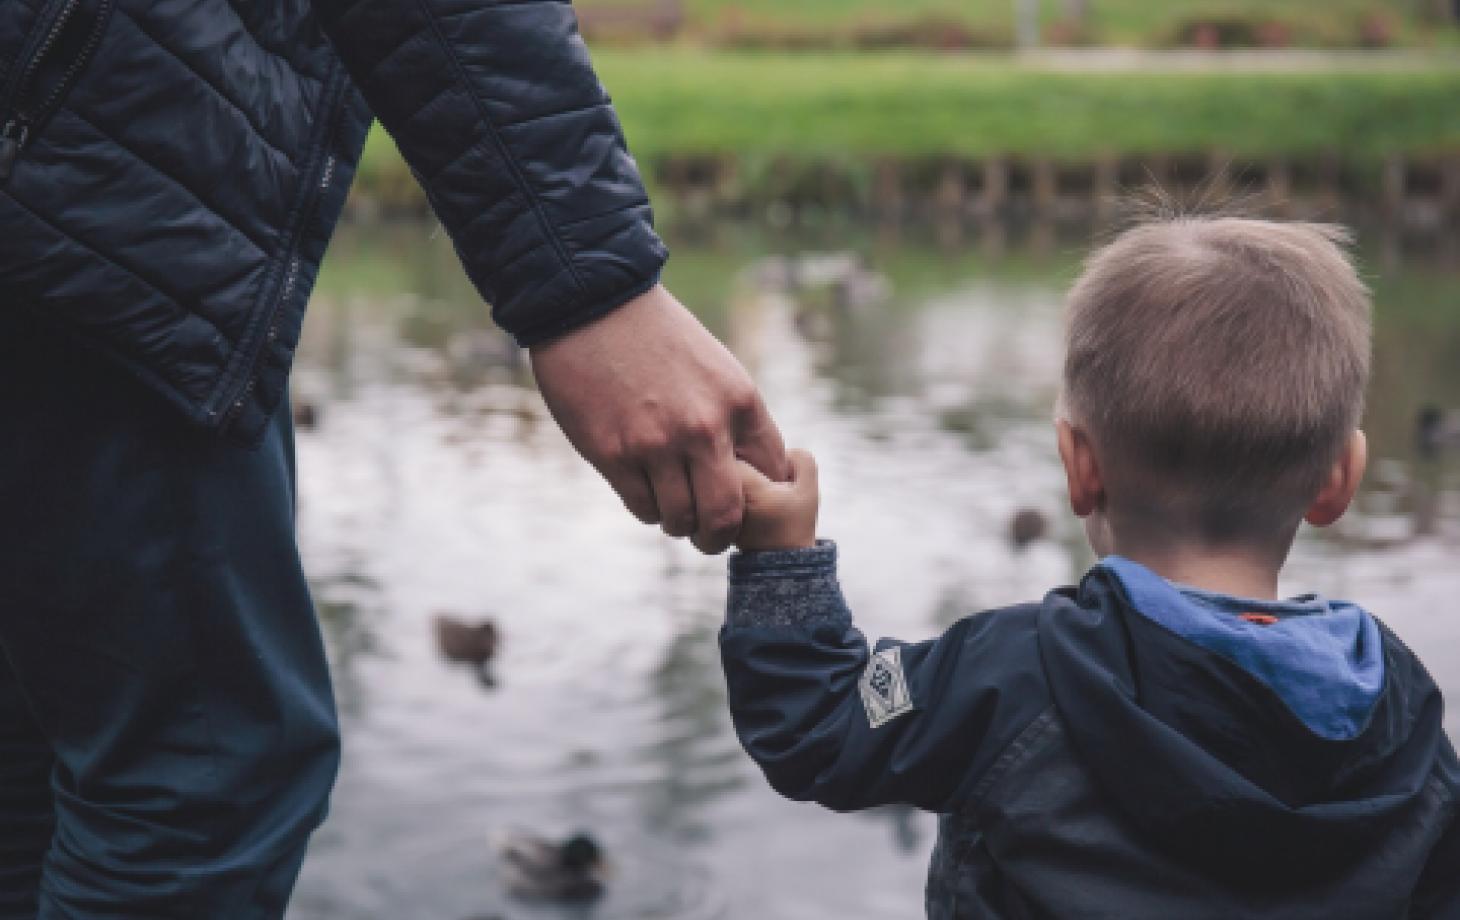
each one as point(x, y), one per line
point(659, 407)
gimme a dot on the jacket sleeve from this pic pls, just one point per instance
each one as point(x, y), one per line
point(830, 721)
point(497, 109)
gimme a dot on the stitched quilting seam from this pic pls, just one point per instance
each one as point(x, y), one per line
point(502, 150)
point(156, 288)
point(633, 206)
point(506, 267)
point(258, 42)
point(549, 116)
point(247, 117)
point(116, 142)
point(474, 142)
point(490, 215)
point(384, 60)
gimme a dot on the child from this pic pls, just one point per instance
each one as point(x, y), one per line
point(1168, 739)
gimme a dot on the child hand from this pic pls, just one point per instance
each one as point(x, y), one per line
point(780, 515)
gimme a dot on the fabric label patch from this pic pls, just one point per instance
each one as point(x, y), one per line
point(884, 687)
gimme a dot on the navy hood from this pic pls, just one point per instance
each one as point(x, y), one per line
point(1203, 742)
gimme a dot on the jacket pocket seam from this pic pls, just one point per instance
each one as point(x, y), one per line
point(1019, 750)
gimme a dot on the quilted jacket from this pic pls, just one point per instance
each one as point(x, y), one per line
point(1088, 760)
point(171, 172)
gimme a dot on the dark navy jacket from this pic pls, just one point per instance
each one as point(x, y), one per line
point(1088, 761)
point(171, 172)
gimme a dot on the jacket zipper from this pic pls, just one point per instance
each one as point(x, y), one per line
point(234, 406)
point(22, 117)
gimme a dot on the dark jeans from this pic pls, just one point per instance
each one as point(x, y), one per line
point(167, 729)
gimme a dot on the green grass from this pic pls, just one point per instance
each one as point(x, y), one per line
point(1142, 23)
point(853, 108)
point(825, 105)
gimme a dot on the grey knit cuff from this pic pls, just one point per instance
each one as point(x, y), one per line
point(794, 587)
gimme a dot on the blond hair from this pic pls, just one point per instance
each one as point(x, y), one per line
point(1220, 362)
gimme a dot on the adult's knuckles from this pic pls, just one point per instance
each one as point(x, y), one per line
point(646, 444)
point(722, 519)
point(743, 397)
point(702, 430)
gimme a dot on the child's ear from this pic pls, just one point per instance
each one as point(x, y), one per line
point(1342, 484)
point(1082, 470)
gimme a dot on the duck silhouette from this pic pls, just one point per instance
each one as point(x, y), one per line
point(539, 869)
point(1026, 526)
point(306, 415)
point(475, 644)
point(1436, 432)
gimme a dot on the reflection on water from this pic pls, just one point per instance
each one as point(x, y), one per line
point(923, 379)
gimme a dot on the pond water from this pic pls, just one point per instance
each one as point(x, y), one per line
point(433, 481)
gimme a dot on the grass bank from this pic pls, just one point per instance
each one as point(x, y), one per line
point(860, 107)
point(990, 23)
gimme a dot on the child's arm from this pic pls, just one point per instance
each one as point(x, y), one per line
point(919, 724)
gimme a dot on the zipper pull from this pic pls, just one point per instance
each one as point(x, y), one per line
point(12, 139)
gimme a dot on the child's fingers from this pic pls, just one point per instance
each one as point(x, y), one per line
point(780, 515)
point(766, 493)
point(752, 480)
point(803, 469)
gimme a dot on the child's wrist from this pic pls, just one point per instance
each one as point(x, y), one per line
point(776, 544)
point(759, 535)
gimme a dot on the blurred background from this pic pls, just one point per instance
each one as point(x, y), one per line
point(878, 206)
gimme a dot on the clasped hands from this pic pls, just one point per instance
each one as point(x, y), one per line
point(674, 423)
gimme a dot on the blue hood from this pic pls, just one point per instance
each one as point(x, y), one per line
point(1324, 659)
point(1287, 748)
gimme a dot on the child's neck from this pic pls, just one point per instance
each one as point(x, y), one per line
point(1240, 572)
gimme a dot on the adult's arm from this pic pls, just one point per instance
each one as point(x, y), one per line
point(497, 109)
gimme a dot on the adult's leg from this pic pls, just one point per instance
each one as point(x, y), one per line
point(157, 622)
point(27, 810)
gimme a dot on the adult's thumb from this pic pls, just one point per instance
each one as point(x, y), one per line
point(758, 442)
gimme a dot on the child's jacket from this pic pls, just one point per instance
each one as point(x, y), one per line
point(1123, 749)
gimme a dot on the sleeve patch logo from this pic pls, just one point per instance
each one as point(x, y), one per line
point(884, 687)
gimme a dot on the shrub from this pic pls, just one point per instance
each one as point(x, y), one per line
point(1220, 33)
point(934, 33)
point(1376, 29)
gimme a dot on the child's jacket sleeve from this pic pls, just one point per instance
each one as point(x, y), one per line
point(830, 721)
